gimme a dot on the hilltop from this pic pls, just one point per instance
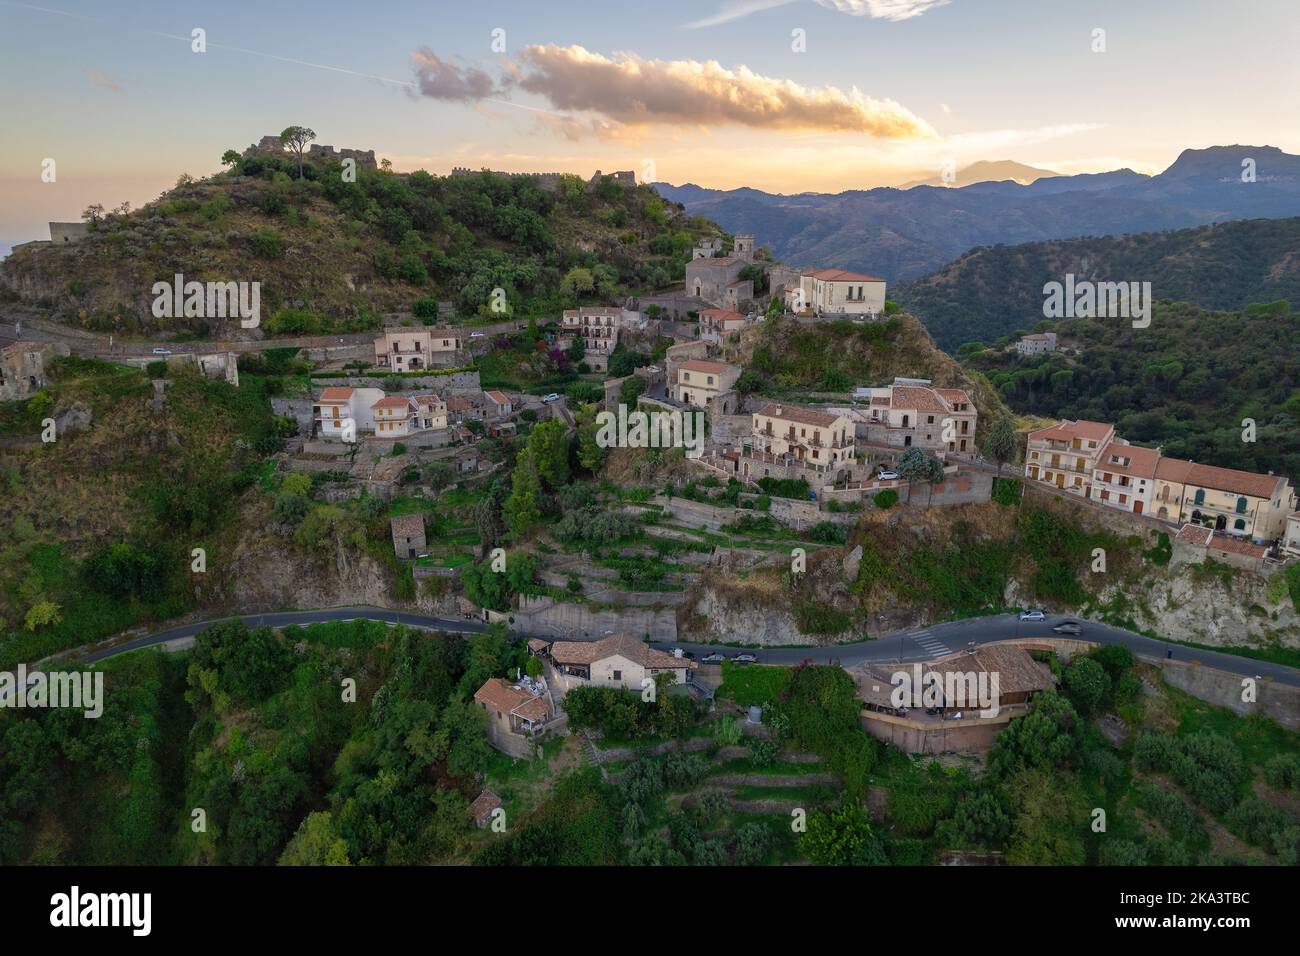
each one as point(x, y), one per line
point(992, 291)
point(334, 256)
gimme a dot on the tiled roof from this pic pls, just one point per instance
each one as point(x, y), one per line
point(1194, 535)
point(392, 401)
point(723, 315)
point(953, 396)
point(1233, 481)
point(700, 365)
point(625, 645)
point(497, 397)
point(712, 262)
point(839, 275)
point(507, 698)
point(1142, 461)
point(1068, 431)
point(408, 526)
point(793, 413)
point(333, 395)
point(1237, 546)
point(919, 398)
point(483, 805)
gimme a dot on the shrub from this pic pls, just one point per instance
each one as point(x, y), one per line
point(886, 499)
point(1006, 491)
point(267, 244)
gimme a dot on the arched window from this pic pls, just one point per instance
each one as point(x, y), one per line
point(1239, 524)
point(1241, 506)
point(1200, 496)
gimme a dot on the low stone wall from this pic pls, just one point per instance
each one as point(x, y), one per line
point(974, 735)
point(565, 620)
point(1281, 702)
point(453, 382)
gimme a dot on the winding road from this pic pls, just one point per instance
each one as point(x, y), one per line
point(921, 644)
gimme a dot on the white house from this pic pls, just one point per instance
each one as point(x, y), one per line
point(837, 292)
point(337, 407)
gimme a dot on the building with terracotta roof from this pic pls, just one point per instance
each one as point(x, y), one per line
point(412, 349)
point(345, 413)
point(836, 292)
point(484, 806)
point(791, 435)
point(911, 413)
point(1065, 454)
point(618, 661)
point(1124, 476)
point(717, 324)
point(1240, 503)
point(717, 281)
point(701, 383)
point(499, 403)
point(518, 713)
point(1037, 344)
point(396, 416)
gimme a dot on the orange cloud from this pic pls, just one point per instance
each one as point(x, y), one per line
point(629, 89)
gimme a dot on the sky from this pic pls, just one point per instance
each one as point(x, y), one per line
point(782, 95)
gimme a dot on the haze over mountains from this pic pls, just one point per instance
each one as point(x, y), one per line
point(905, 233)
point(986, 171)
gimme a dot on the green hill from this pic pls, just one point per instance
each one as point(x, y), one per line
point(1185, 383)
point(993, 291)
point(333, 256)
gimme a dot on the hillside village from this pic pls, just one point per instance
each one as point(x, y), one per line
point(851, 487)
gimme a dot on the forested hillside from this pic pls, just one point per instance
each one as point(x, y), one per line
point(993, 291)
point(333, 255)
point(1185, 383)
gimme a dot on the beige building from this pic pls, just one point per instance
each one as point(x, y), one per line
point(1037, 344)
point(395, 416)
point(618, 661)
point(910, 413)
point(699, 381)
point(1291, 539)
point(406, 350)
point(408, 535)
point(1065, 454)
point(790, 434)
point(1239, 503)
point(837, 292)
point(431, 412)
point(345, 413)
point(598, 327)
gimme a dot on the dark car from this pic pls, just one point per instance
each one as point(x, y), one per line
point(1068, 627)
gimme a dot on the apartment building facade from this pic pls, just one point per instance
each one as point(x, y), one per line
point(837, 292)
point(717, 324)
point(910, 413)
point(1065, 454)
point(598, 327)
point(1239, 503)
point(700, 382)
point(802, 437)
point(407, 350)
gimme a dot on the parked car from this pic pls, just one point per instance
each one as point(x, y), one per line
point(744, 659)
point(1068, 627)
point(714, 658)
point(476, 335)
point(1033, 614)
point(553, 397)
point(886, 475)
point(162, 351)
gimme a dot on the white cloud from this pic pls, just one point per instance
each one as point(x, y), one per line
point(876, 9)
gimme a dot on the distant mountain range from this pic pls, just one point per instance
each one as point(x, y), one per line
point(986, 171)
point(905, 233)
point(994, 290)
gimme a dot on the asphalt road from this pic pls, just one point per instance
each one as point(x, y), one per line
point(922, 644)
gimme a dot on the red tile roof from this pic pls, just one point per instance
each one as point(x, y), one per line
point(335, 395)
point(917, 397)
point(1068, 431)
point(839, 275)
point(1194, 535)
point(507, 698)
point(498, 397)
point(1142, 461)
point(625, 645)
point(392, 401)
point(1233, 481)
point(709, 368)
point(793, 413)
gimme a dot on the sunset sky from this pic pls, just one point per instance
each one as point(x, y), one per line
point(711, 91)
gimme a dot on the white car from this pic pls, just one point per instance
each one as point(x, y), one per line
point(476, 335)
point(744, 659)
point(162, 351)
point(714, 658)
point(887, 475)
point(1033, 614)
point(553, 397)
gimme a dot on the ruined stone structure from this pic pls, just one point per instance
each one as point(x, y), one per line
point(61, 232)
point(316, 152)
point(22, 368)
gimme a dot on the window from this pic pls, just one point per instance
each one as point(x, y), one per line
point(1240, 524)
point(1242, 505)
point(618, 675)
point(1200, 496)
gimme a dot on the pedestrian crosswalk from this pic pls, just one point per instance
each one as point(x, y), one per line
point(930, 644)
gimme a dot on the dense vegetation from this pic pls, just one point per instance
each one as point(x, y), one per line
point(332, 254)
point(1185, 383)
point(993, 290)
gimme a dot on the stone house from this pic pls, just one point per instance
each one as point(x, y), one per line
point(408, 535)
point(406, 350)
point(22, 368)
point(910, 413)
point(807, 439)
point(717, 281)
point(518, 713)
point(1037, 343)
point(707, 385)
